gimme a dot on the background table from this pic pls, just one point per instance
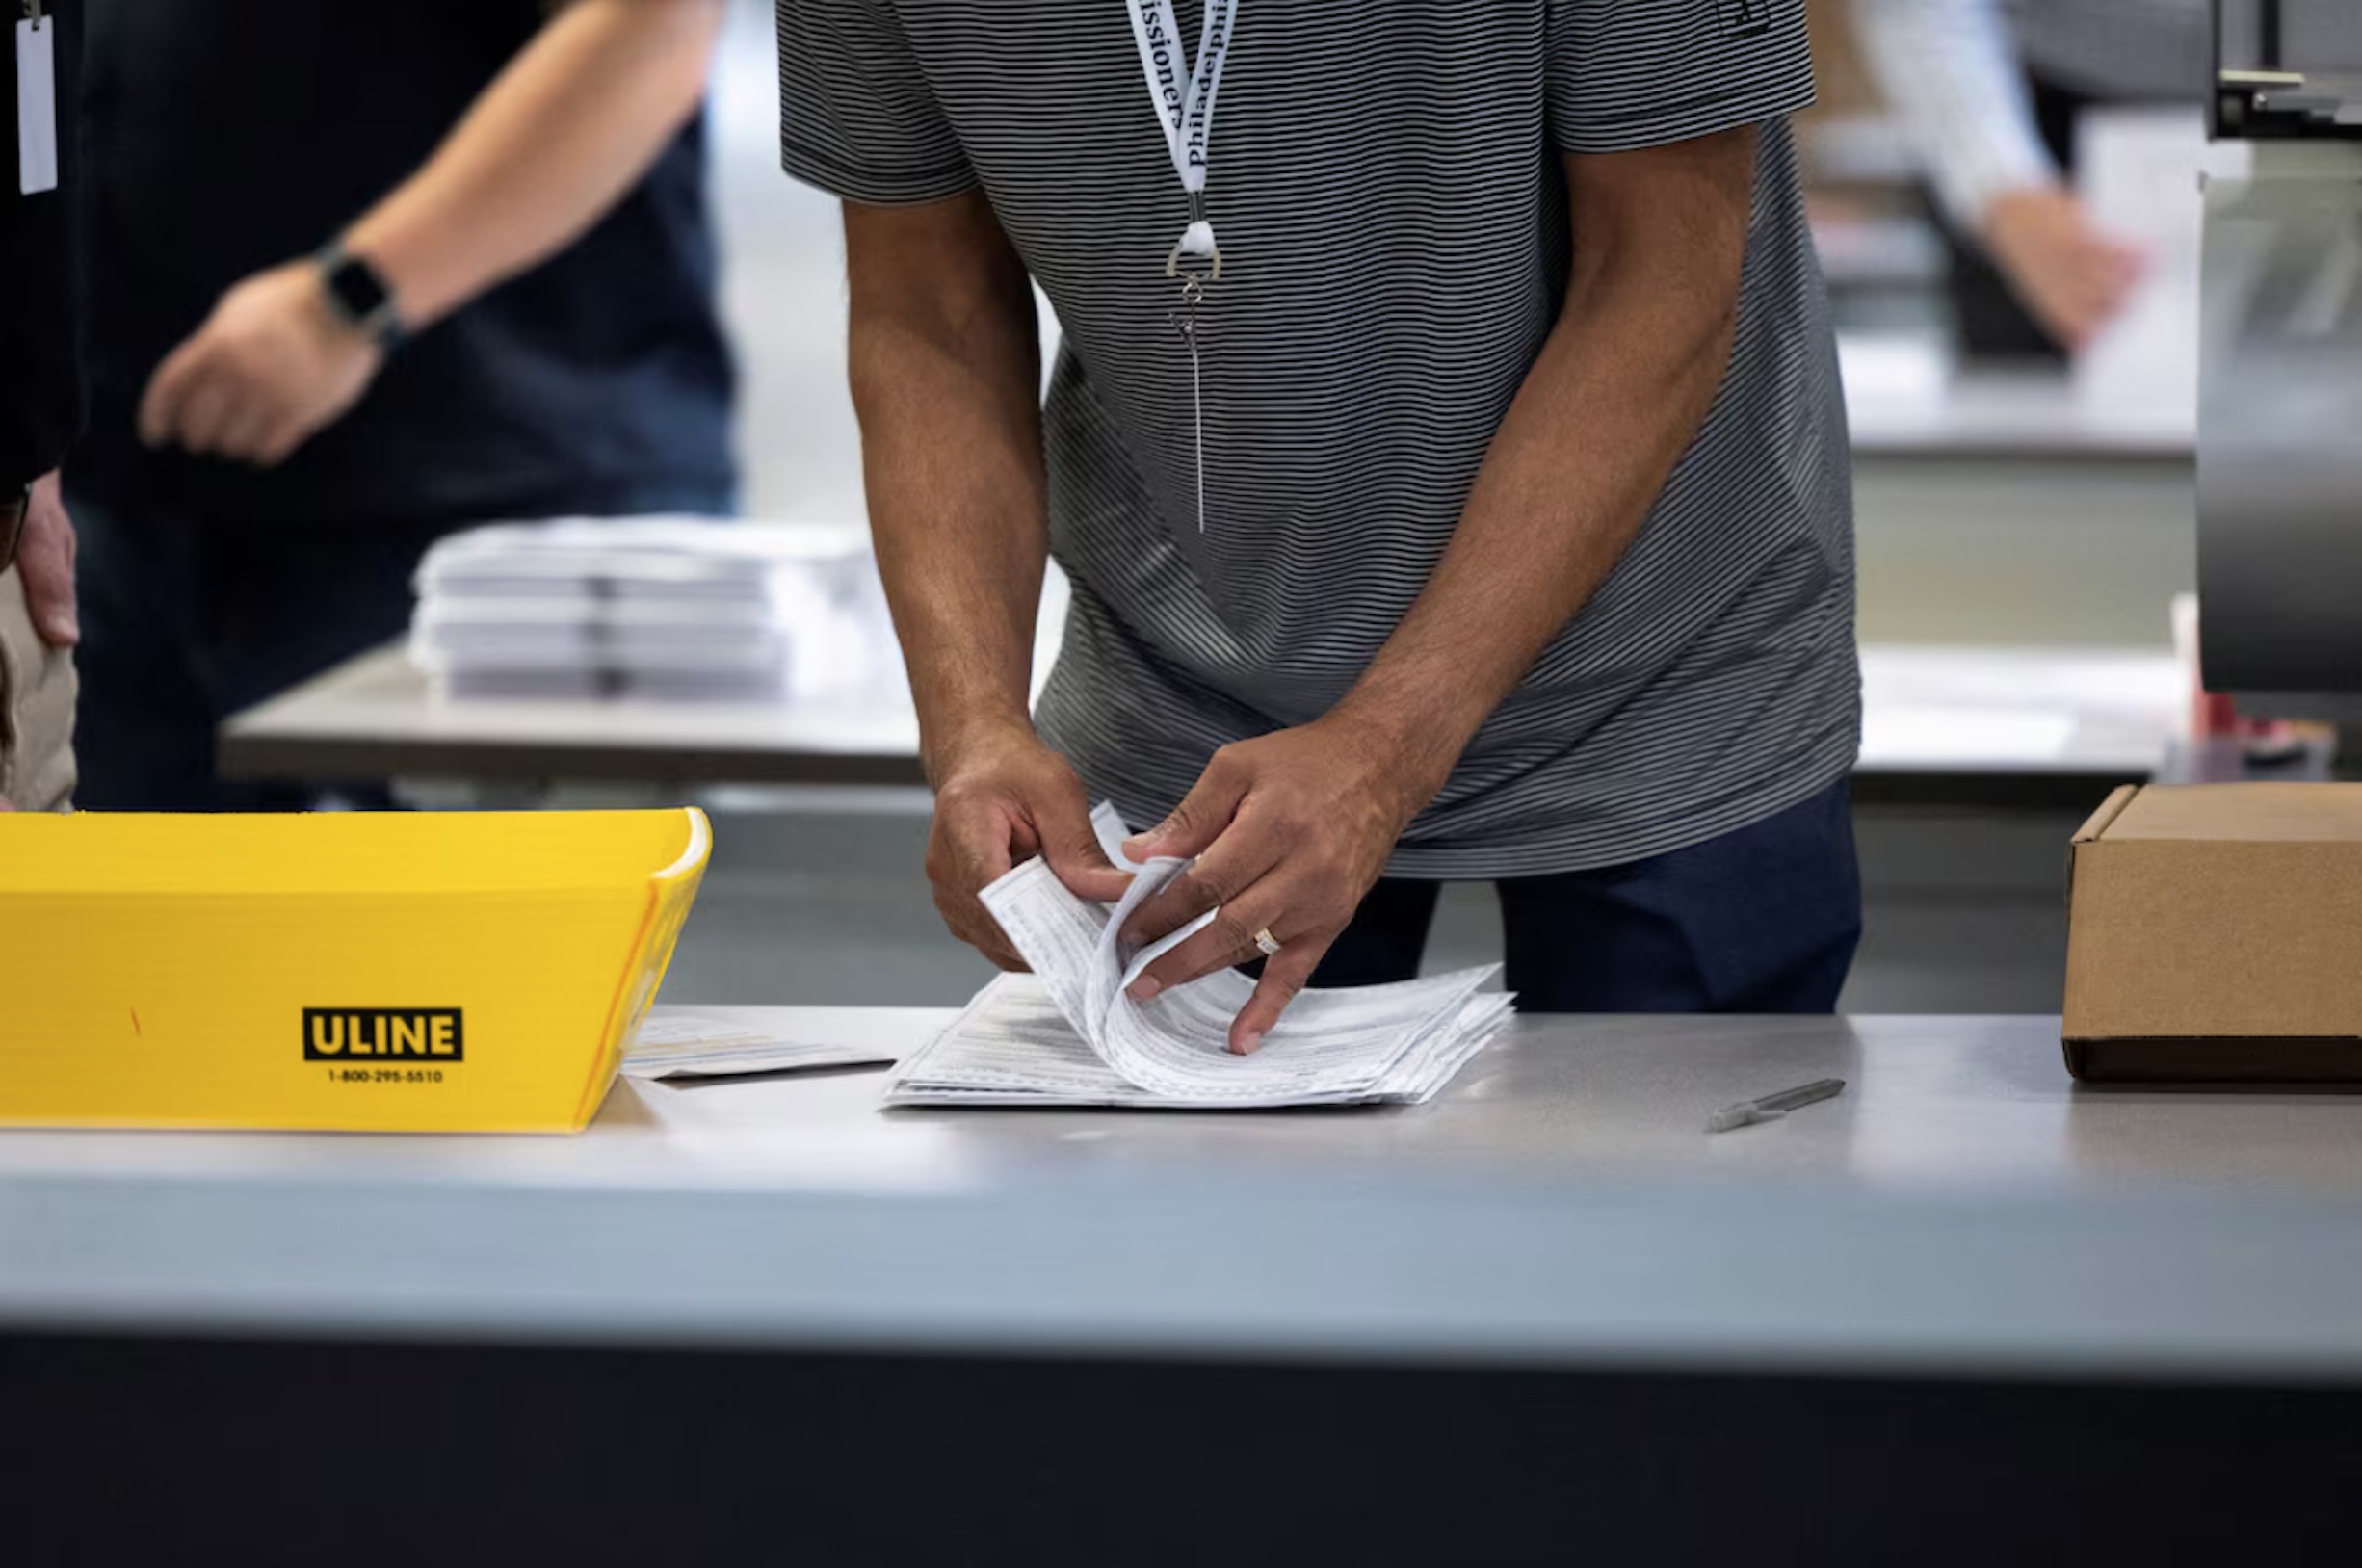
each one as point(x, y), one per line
point(375, 717)
point(1932, 711)
point(1906, 397)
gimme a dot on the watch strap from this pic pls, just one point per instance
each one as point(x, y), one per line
point(360, 296)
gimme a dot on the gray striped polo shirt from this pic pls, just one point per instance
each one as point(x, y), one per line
point(1388, 191)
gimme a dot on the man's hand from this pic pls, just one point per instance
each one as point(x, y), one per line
point(272, 367)
point(45, 561)
point(1000, 799)
point(1290, 831)
point(2071, 275)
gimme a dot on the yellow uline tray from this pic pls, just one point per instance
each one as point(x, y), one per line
point(368, 972)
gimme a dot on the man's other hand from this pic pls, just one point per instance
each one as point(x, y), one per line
point(272, 367)
point(2074, 277)
point(45, 561)
point(1000, 800)
point(1290, 830)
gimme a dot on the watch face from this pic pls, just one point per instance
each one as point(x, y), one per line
point(359, 294)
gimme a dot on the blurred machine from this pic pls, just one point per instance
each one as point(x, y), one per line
point(2280, 395)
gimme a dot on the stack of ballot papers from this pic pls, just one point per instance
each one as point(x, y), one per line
point(1067, 1035)
point(692, 1042)
point(657, 608)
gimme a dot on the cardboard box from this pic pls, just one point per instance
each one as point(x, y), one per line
point(378, 971)
point(2214, 935)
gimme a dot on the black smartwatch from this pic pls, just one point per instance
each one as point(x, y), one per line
point(357, 292)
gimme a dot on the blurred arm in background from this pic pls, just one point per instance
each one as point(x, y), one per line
point(565, 131)
point(1950, 73)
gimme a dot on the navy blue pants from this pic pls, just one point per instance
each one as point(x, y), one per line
point(188, 621)
point(1762, 919)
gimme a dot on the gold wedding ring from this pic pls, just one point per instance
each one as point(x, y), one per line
point(1269, 943)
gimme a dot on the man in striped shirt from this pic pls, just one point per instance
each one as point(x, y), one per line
point(1484, 513)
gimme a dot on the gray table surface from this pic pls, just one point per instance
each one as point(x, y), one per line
point(2045, 712)
point(1962, 1208)
point(376, 717)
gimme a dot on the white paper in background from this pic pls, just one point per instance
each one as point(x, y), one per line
point(36, 106)
point(1881, 369)
point(2138, 171)
point(660, 609)
point(2078, 682)
point(1899, 736)
point(686, 1043)
point(1937, 706)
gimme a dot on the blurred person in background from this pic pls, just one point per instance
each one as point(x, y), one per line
point(40, 406)
point(361, 277)
point(1989, 91)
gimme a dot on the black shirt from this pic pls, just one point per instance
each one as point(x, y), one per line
point(229, 136)
point(41, 376)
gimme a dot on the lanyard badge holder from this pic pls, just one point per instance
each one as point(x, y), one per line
point(1196, 262)
point(1183, 98)
point(36, 101)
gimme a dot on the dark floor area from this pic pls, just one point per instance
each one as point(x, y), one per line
point(355, 1455)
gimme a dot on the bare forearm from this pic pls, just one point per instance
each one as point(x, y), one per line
point(1584, 452)
point(551, 145)
point(946, 382)
point(1616, 398)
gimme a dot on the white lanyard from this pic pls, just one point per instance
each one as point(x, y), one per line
point(1183, 100)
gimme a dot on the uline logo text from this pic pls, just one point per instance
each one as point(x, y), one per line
point(400, 1033)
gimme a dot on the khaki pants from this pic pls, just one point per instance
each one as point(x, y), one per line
point(37, 709)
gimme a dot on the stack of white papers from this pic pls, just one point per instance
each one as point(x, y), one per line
point(654, 607)
point(1066, 1033)
point(686, 1042)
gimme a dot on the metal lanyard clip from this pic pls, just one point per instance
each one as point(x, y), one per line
point(1212, 255)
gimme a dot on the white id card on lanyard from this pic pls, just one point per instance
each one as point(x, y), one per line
point(36, 101)
point(1183, 100)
